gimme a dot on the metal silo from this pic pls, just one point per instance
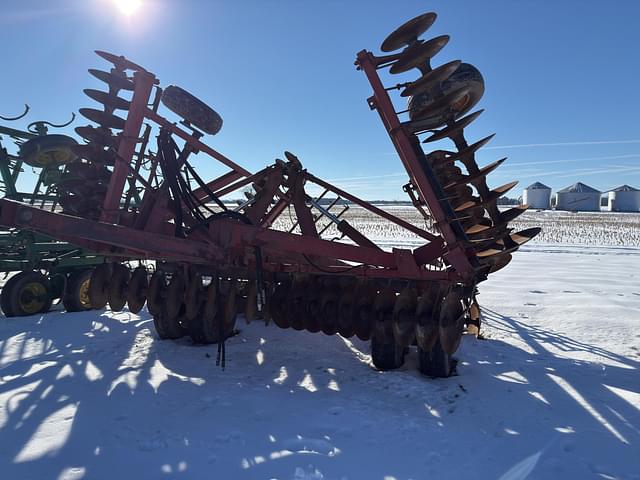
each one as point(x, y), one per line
point(537, 195)
point(578, 197)
point(624, 199)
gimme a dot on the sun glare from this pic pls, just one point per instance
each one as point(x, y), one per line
point(128, 7)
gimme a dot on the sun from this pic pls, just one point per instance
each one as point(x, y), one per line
point(128, 7)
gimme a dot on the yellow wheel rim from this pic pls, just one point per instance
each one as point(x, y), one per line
point(33, 297)
point(83, 294)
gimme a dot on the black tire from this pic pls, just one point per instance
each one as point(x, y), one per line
point(386, 356)
point(76, 293)
point(48, 150)
point(435, 362)
point(5, 297)
point(192, 109)
point(28, 294)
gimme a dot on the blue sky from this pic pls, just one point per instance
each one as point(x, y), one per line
point(562, 78)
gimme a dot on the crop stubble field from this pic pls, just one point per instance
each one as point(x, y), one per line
point(558, 227)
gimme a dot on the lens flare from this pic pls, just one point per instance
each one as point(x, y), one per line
point(128, 7)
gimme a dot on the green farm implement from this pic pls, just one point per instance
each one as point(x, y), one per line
point(44, 269)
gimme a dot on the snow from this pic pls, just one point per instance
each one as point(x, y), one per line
point(553, 393)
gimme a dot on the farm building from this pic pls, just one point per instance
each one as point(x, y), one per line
point(624, 199)
point(537, 195)
point(578, 197)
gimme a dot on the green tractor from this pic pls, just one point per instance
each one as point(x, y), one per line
point(43, 269)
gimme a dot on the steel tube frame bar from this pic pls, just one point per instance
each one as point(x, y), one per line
point(403, 144)
point(143, 82)
point(194, 142)
point(366, 205)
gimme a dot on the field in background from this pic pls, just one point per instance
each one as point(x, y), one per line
point(558, 227)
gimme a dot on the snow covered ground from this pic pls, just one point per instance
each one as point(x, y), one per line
point(553, 393)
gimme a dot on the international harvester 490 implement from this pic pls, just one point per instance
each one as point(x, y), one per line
point(214, 261)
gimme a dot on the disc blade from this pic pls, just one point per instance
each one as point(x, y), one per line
point(118, 286)
point(174, 297)
point(471, 149)
point(105, 98)
point(98, 135)
point(418, 54)
point(119, 61)
point(95, 154)
point(481, 173)
point(137, 290)
point(103, 119)
point(117, 82)
point(431, 79)
point(442, 109)
point(408, 32)
point(451, 322)
point(454, 127)
point(513, 213)
point(524, 236)
point(497, 262)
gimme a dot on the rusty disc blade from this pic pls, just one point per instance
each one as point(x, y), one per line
point(431, 79)
point(111, 101)
point(155, 294)
point(137, 290)
point(119, 61)
point(230, 309)
point(418, 54)
point(345, 313)
point(518, 239)
point(100, 136)
point(498, 262)
point(478, 227)
point(73, 205)
point(95, 154)
point(404, 317)
point(251, 307)
point(118, 287)
point(116, 82)
point(523, 236)
point(513, 213)
point(104, 119)
point(471, 149)
point(408, 32)
point(99, 286)
point(81, 170)
point(427, 328)
point(174, 296)
point(194, 297)
point(481, 173)
point(494, 195)
point(312, 316)
point(451, 322)
point(75, 186)
point(454, 127)
point(278, 306)
point(442, 110)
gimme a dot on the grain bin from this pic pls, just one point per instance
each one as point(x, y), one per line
point(578, 197)
point(537, 195)
point(624, 199)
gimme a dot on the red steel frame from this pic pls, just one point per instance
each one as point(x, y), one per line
point(227, 243)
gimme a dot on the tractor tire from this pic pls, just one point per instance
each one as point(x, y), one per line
point(48, 151)
point(27, 293)
point(5, 298)
point(76, 293)
point(435, 362)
